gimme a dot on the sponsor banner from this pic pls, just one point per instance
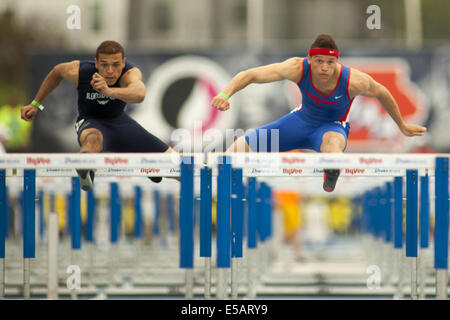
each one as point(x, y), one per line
point(150, 164)
point(112, 172)
point(56, 172)
point(11, 162)
point(136, 172)
point(248, 171)
point(89, 161)
point(370, 172)
point(315, 172)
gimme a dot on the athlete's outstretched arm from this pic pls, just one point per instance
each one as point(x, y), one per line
point(67, 70)
point(131, 90)
point(290, 69)
point(363, 84)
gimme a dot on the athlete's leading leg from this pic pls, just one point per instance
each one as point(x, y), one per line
point(159, 179)
point(332, 142)
point(130, 136)
point(91, 141)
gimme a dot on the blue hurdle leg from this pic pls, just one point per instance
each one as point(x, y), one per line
point(398, 234)
point(387, 213)
point(237, 217)
point(206, 225)
point(251, 234)
point(76, 214)
point(223, 223)
point(75, 218)
point(171, 212)
point(187, 222)
point(264, 221)
point(441, 228)
point(411, 226)
point(89, 234)
point(157, 210)
point(137, 212)
point(424, 217)
point(115, 217)
point(29, 223)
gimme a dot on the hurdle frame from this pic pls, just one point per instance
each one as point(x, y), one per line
point(266, 165)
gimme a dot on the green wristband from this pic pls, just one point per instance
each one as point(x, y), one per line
point(223, 95)
point(37, 104)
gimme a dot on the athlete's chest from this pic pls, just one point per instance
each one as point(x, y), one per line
point(93, 96)
point(318, 100)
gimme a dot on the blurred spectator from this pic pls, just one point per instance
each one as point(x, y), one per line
point(18, 131)
point(4, 134)
point(289, 203)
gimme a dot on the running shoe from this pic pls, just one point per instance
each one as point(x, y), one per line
point(155, 179)
point(330, 177)
point(86, 178)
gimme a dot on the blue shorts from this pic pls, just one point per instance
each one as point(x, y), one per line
point(293, 131)
point(122, 134)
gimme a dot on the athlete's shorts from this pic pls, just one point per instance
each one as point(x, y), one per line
point(293, 131)
point(122, 134)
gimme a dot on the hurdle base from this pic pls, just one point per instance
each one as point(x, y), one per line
point(207, 288)
point(189, 284)
point(413, 263)
point(234, 278)
point(2, 278)
point(441, 284)
point(52, 256)
point(26, 279)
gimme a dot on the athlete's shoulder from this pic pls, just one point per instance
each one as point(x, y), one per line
point(69, 70)
point(294, 62)
point(131, 75)
point(293, 69)
point(359, 82)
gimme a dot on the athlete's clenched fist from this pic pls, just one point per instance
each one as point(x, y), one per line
point(220, 103)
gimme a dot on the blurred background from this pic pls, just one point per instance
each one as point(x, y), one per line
point(188, 50)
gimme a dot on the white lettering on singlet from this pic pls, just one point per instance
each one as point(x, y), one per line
point(101, 98)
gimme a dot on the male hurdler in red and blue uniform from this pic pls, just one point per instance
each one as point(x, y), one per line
point(320, 123)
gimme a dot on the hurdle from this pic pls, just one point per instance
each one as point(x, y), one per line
point(187, 222)
point(89, 235)
point(411, 226)
point(398, 235)
point(237, 228)
point(441, 228)
point(75, 230)
point(410, 163)
point(206, 226)
point(255, 167)
point(29, 221)
point(424, 216)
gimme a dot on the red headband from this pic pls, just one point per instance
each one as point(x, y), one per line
point(328, 52)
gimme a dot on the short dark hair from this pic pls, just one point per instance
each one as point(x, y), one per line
point(110, 47)
point(324, 41)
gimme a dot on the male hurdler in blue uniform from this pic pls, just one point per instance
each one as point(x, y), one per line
point(320, 123)
point(104, 88)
